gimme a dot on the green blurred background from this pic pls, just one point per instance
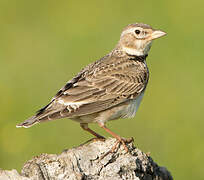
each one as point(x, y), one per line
point(43, 44)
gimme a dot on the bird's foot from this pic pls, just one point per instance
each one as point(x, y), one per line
point(116, 146)
point(122, 141)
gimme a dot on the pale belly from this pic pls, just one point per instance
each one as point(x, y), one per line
point(128, 111)
point(125, 110)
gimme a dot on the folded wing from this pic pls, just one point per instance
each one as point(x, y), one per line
point(94, 90)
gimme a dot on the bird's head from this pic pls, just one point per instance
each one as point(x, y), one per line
point(136, 39)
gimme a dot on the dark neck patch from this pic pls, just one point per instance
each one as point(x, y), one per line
point(138, 58)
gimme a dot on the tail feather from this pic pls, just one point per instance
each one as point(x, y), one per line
point(47, 115)
point(41, 115)
point(29, 122)
point(49, 112)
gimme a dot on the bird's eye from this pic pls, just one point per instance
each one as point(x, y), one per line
point(137, 31)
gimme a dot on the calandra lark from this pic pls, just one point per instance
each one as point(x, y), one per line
point(108, 89)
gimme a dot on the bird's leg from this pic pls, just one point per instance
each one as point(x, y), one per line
point(85, 127)
point(119, 139)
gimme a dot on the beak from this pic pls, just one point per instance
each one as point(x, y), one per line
point(157, 34)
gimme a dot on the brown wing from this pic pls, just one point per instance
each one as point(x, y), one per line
point(96, 89)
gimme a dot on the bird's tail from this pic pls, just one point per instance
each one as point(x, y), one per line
point(29, 122)
point(49, 112)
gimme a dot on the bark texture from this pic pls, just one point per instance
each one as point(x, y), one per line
point(91, 161)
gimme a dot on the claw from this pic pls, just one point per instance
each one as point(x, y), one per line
point(117, 145)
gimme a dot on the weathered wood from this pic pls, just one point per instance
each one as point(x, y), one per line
point(88, 162)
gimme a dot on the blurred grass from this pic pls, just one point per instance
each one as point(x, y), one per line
point(44, 43)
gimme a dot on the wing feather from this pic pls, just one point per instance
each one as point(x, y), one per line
point(102, 90)
point(96, 88)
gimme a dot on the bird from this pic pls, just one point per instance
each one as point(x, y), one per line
point(107, 89)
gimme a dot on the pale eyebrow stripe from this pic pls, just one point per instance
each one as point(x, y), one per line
point(128, 31)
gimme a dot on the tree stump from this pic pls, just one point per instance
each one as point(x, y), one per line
point(91, 161)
